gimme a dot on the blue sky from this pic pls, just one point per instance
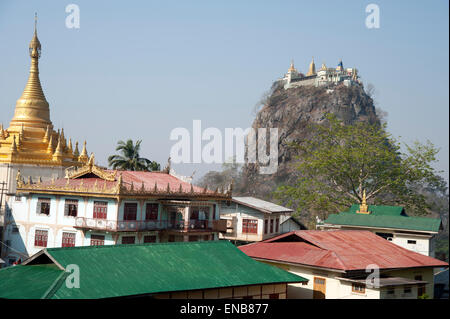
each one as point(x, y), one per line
point(139, 69)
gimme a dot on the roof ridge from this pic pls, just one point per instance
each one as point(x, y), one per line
point(134, 245)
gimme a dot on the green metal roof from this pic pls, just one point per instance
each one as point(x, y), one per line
point(381, 210)
point(30, 282)
point(125, 270)
point(384, 217)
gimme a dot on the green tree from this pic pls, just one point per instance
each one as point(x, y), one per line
point(341, 161)
point(130, 159)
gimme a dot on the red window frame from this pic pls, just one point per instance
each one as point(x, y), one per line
point(40, 238)
point(130, 211)
point(149, 239)
point(249, 226)
point(151, 211)
point(97, 240)
point(68, 239)
point(128, 240)
point(100, 209)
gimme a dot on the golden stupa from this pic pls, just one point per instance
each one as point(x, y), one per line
point(30, 138)
point(312, 68)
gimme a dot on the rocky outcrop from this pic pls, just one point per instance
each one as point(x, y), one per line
point(292, 111)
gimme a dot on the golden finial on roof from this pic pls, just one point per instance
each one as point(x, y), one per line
point(58, 151)
point(19, 177)
point(69, 147)
point(50, 145)
point(32, 108)
point(324, 67)
point(14, 145)
point(291, 67)
point(47, 133)
point(76, 153)
point(363, 208)
point(312, 68)
point(83, 156)
point(91, 161)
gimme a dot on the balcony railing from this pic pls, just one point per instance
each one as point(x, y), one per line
point(147, 225)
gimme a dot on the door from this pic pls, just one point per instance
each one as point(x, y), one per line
point(172, 218)
point(319, 288)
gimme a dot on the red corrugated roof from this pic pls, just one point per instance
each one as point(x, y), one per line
point(149, 179)
point(341, 249)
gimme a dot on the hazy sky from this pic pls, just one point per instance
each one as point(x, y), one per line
point(138, 69)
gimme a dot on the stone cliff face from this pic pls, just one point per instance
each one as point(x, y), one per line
point(292, 111)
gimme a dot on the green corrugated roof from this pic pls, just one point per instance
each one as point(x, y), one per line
point(124, 270)
point(384, 217)
point(29, 282)
point(381, 210)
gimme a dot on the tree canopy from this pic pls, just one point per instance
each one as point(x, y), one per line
point(129, 158)
point(341, 161)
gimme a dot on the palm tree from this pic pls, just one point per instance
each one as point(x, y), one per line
point(129, 158)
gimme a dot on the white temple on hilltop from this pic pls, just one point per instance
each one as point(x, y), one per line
point(323, 77)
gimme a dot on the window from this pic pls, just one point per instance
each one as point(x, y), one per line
point(359, 288)
point(421, 288)
point(18, 198)
point(193, 238)
point(277, 225)
point(407, 290)
point(266, 226)
point(200, 213)
point(40, 238)
point(387, 236)
point(274, 296)
point(206, 238)
point(149, 239)
point(250, 226)
point(100, 210)
point(412, 242)
point(130, 211)
point(271, 226)
point(15, 229)
point(171, 238)
point(43, 206)
point(194, 213)
point(71, 207)
point(151, 212)
point(128, 240)
point(97, 240)
point(391, 291)
point(68, 240)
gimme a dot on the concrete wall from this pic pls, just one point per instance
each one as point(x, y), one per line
point(240, 212)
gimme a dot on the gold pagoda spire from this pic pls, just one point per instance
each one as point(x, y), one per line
point(83, 156)
point(32, 108)
point(76, 153)
point(292, 67)
point(50, 145)
point(14, 146)
point(312, 68)
point(58, 151)
point(363, 208)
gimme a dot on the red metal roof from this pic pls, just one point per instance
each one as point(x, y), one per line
point(149, 179)
point(340, 249)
